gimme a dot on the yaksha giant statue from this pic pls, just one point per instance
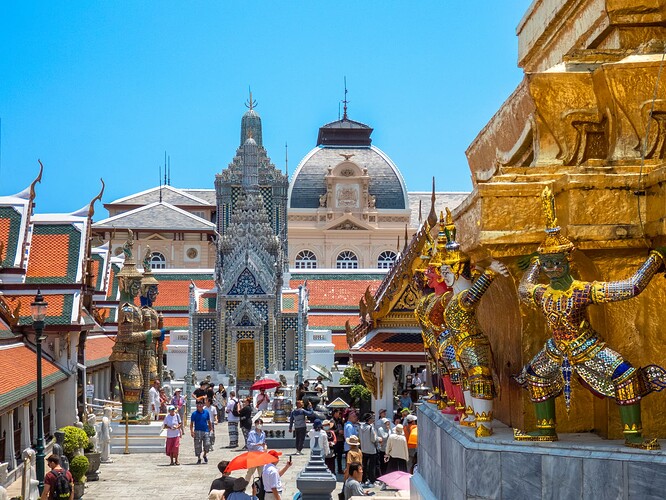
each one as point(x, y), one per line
point(575, 347)
point(471, 345)
point(437, 340)
point(131, 339)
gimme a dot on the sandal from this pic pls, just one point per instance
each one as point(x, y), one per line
point(177, 463)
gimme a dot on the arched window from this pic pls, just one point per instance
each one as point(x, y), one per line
point(346, 260)
point(306, 260)
point(386, 259)
point(157, 261)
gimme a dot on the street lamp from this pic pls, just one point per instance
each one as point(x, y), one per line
point(38, 312)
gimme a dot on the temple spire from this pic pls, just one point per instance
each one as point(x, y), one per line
point(345, 102)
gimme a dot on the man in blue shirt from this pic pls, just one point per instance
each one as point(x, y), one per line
point(200, 427)
point(351, 427)
point(256, 441)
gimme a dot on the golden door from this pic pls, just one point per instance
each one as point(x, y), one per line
point(245, 360)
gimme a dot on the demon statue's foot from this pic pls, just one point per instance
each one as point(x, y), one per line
point(541, 435)
point(638, 441)
point(449, 410)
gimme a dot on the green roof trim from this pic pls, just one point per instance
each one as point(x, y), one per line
point(65, 318)
point(29, 390)
point(14, 218)
point(183, 277)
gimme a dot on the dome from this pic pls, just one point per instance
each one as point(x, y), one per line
point(386, 182)
point(251, 127)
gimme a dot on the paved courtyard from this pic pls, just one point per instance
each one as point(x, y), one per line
point(149, 476)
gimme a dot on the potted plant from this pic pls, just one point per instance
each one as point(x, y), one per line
point(75, 441)
point(93, 455)
point(360, 394)
point(78, 467)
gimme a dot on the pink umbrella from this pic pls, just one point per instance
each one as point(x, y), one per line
point(398, 480)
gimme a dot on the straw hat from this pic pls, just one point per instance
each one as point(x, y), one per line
point(399, 429)
point(353, 441)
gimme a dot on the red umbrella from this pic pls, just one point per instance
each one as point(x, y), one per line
point(251, 459)
point(265, 384)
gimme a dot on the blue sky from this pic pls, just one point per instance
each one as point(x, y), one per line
point(102, 89)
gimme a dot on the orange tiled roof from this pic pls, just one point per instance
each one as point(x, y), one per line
point(340, 343)
point(175, 292)
point(331, 321)
point(59, 311)
point(54, 254)
point(4, 237)
point(98, 349)
point(95, 270)
point(393, 342)
point(21, 362)
point(337, 294)
point(112, 286)
point(176, 322)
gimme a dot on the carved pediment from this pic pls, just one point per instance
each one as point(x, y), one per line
point(348, 225)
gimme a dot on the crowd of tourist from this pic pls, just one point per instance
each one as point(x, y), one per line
point(360, 450)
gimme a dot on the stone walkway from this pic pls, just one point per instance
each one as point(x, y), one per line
point(149, 476)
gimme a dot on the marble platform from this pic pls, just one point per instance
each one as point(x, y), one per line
point(454, 464)
point(143, 438)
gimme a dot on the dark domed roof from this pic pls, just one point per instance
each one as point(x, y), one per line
point(386, 182)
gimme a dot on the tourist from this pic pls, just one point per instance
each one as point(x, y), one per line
point(225, 482)
point(320, 393)
point(179, 402)
point(368, 437)
point(212, 412)
point(245, 421)
point(351, 428)
point(354, 454)
point(339, 430)
point(200, 393)
point(352, 486)
point(300, 392)
point(271, 478)
point(405, 400)
point(405, 413)
point(238, 493)
point(220, 399)
point(298, 425)
point(414, 396)
point(210, 393)
point(233, 412)
point(319, 383)
point(174, 430)
point(383, 433)
point(154, 399)
point(417, 380)
point(256, 441)
point(332, 441)
point(262, 400)
point(317, 431)
point(200, 427)
point(412, 441)
point(52, 476)
point(397, 452)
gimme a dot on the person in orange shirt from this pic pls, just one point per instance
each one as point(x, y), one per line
point(412, 439)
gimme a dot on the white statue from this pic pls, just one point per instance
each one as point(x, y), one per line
point(30, 485)
point(105, 436)
point(3, 494)
point(168, 391)
point(92, 422)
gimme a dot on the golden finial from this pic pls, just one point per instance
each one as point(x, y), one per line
point(555, 242)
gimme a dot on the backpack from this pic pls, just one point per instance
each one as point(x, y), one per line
point(62, 487)
point(236, 412)
point(261, 491)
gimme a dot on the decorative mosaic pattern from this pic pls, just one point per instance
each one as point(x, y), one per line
point(54, 254)
point(246, 285)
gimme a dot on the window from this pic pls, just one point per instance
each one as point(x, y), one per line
point(306, 260)
point(346, 260)
point(157, 261)
point(386, 259)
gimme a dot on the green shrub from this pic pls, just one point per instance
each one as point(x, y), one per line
point(360, 393)
point(78, 466)
point(89, 430)
point(351, 376)
point(75, 438)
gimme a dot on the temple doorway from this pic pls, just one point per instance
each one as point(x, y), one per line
point(245, 362)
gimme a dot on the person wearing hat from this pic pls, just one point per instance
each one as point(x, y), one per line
point(411, 434)
point(331, 439)
point(272, 478)
point(200, 427)
point(354, 454)
point(318, 432)
point(174, 430)
point(396, 451)
point(404, 413)
point(179, 402)
point(238, 493)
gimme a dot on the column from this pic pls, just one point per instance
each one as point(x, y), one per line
point(51, 402)
point(25, 425)
point(8, 425)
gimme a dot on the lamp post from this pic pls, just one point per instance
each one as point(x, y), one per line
point(38, 311)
